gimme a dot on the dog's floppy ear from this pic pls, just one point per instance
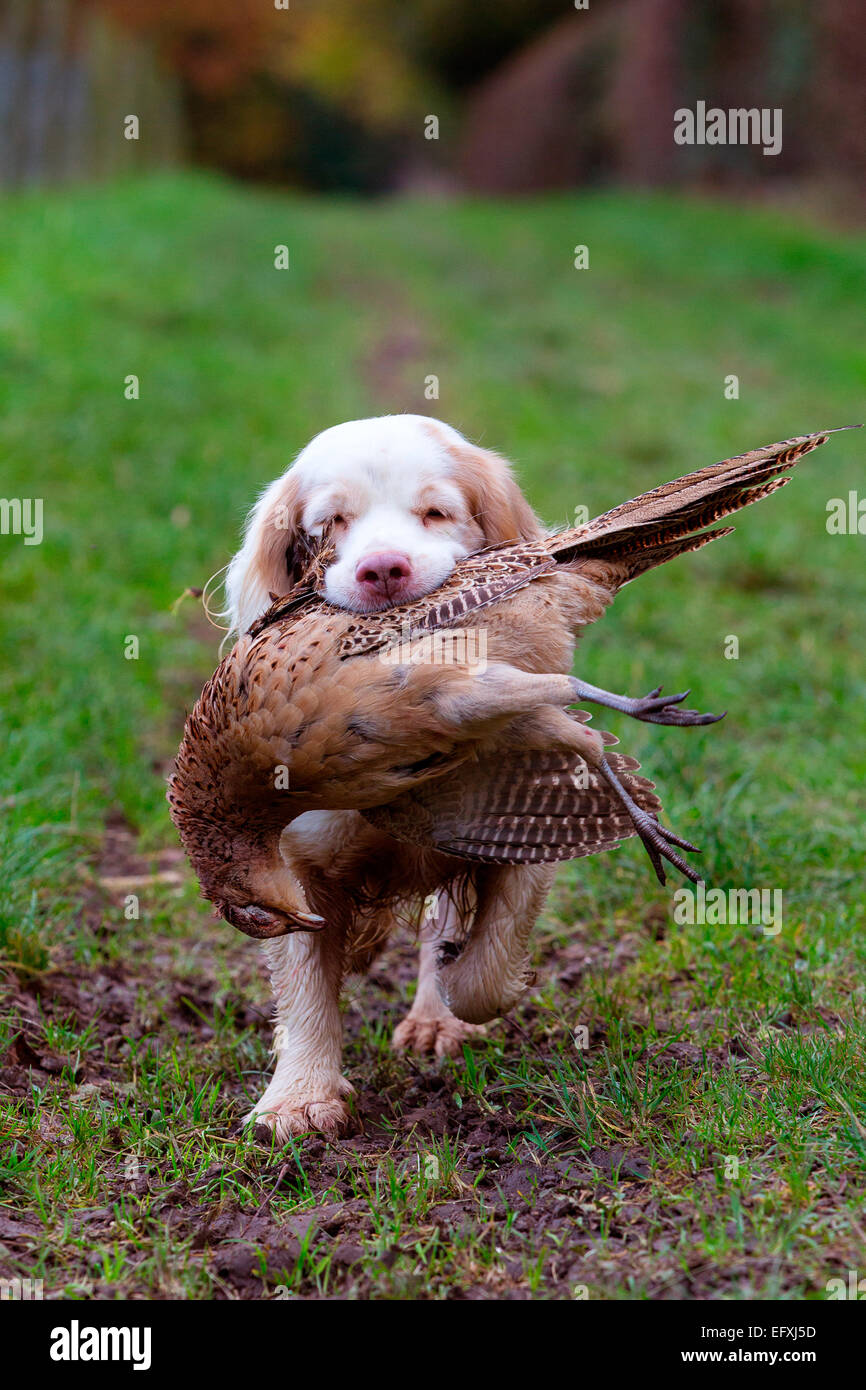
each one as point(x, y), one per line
point(494, 498)
point(274, 554)
point(283, 545)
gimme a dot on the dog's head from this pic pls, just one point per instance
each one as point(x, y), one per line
point(405, 497)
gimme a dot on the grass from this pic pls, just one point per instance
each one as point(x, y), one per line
point(679, 1110)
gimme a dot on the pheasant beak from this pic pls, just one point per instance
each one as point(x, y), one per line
point(263, 923)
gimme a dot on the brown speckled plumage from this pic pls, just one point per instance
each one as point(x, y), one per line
point(319, 707)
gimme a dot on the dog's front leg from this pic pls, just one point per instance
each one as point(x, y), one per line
point(430, 1026)
point(488, 974)
point(307, 1090)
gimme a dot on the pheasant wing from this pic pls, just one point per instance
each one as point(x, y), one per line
point(531, 808)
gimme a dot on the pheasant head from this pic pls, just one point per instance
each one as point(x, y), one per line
point(241, 871)
point(284, 908)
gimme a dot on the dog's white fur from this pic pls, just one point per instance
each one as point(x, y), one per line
point(411, 485)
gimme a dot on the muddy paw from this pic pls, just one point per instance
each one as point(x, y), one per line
point(285, 1118)
point(442, 1036)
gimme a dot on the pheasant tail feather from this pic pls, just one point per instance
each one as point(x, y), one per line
point(654, 527)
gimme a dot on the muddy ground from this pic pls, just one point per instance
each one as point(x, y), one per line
point(462, 1180)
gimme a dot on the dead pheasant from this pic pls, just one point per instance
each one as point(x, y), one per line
point(318, 707)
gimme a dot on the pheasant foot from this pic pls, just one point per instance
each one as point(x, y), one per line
point(656, 839)
point(653, 708)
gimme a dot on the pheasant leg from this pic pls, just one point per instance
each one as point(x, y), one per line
point(653, 708)
point(656, 840)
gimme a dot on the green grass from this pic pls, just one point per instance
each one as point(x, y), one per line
point(599, 383)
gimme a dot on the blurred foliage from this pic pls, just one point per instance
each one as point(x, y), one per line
point(335, 95)
point(373, 58)
point(308, 97)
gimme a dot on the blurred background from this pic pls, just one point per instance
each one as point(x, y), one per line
point(529, 94)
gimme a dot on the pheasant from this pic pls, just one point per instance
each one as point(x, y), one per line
point(320, 707)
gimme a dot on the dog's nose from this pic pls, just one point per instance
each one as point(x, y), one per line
point(384, 571)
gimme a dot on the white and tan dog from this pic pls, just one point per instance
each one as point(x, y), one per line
point(406, 497)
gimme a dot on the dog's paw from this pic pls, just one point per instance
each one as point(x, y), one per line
point(280, 1118)
point(443, 1036)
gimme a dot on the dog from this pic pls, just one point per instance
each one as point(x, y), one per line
point(404, 497)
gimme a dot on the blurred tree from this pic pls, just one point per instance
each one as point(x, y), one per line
point(461, 43)
point(530, 94)
point(69, 76)
point(316, 96)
